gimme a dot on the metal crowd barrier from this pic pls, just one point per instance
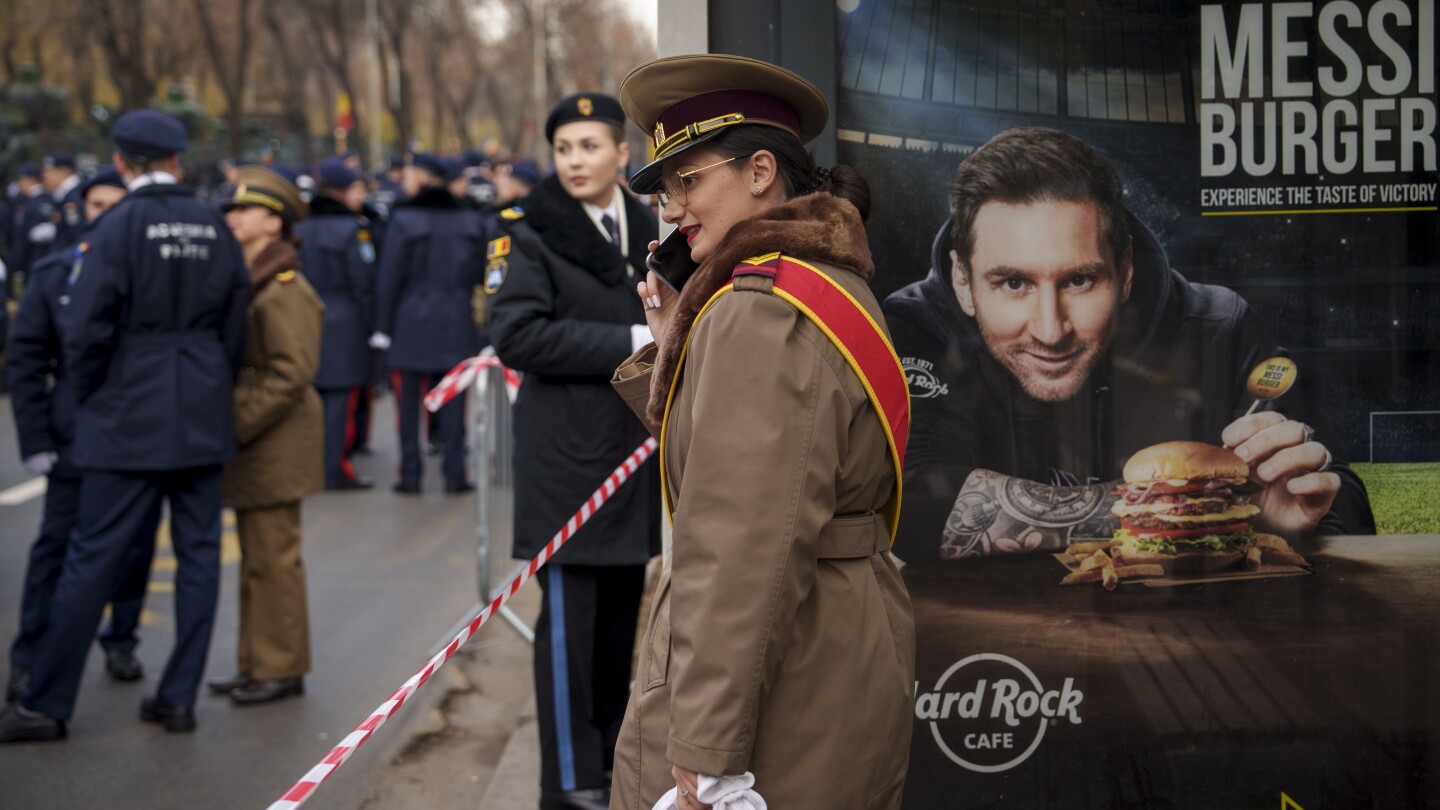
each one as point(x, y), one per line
point(492, 453)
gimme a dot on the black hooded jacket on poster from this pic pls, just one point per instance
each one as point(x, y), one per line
point(1176, 371)
point(562, 304)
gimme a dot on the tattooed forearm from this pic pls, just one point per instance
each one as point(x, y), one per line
point(999, 514)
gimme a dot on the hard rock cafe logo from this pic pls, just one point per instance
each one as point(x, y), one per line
point(920, 374)
point(586, 106)
point(988, 713)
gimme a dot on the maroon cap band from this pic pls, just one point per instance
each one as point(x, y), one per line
point(758, 108)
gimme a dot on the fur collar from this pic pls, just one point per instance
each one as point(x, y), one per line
point(433, 197)
point(323, 206)
point(815, 227)
point(278, 257)
point(566, 229)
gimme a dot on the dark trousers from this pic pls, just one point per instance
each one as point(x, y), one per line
point(410, 388)
point(42, 574)
point(584, 642)
point(340, 405)
point(361, 422)
point(118, 510)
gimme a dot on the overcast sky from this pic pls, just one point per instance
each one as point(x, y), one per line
point(644, 11)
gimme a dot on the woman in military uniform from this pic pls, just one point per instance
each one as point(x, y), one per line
point(278, 423)
point(563, 311)
point(780, 651)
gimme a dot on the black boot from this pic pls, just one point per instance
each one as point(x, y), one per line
point(19, 724)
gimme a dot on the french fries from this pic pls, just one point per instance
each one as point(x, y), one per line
point(1082, 577)
point(1273, 549)
point(1253, 558)
point(1100, 561)
point(1096, 565)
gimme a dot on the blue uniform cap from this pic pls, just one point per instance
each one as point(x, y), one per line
point(149, 134)
point(526, 171)
point(59, 160)
point(454, 167)
point(429, 161)
point(105, 176)
point(584, 107)
point(290, 175)
point(28, 170)
point(335, 174)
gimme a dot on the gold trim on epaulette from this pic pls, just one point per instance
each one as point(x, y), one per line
point(286, 276)
point(512, 213)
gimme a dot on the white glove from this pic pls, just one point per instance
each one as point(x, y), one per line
point(720, 792)
point(640, 337)
point(41, 463)
point(380, 341)
point(43, 233)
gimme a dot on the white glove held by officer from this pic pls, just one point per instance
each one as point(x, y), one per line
point(719, 792)
point(380, 341)
point(41, 463)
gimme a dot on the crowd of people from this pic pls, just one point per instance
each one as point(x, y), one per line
point(211, 354)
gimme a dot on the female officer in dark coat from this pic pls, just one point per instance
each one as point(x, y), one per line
point(337, 250)
point(563, 311)
point(432, 260)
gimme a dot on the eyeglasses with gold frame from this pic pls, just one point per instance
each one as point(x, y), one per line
point(673, 184)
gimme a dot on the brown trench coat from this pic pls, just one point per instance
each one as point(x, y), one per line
point(781, 639)
point(279, 420)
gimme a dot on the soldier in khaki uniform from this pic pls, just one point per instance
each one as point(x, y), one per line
point(779, 656)
point(279, 425)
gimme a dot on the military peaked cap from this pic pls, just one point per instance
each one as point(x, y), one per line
point(687, 100)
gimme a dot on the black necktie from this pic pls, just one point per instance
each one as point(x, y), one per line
point(609, 223)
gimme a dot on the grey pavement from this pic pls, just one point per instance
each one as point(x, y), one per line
point(388, 576)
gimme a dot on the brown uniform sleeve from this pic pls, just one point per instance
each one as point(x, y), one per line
point(288, 320)
point(632, 382)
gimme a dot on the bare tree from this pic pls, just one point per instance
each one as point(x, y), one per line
point(141, 44)
point(288, 75)
point(230, 59)
point(334, 30)
point(396, 19)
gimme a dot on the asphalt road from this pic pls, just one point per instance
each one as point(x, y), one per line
point(388, 576)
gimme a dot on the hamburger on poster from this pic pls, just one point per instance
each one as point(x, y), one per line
point(1185, 506)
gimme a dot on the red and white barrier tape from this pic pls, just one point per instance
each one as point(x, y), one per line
point(462, 375)
point(302, 790)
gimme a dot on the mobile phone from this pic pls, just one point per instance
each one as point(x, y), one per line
point(671, 260)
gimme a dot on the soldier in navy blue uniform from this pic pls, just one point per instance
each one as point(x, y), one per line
point(45, 421)
point(388, 192)
point(63, 184)
point(432, 259)
point(338, 254)
point(153, 337)
point(563, 311)
point(32, 227)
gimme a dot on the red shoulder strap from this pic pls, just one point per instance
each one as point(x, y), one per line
point(859, 339)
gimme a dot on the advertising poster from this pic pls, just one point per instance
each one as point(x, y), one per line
point(1269, 224)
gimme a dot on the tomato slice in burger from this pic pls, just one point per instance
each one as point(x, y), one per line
point(1175, 534)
